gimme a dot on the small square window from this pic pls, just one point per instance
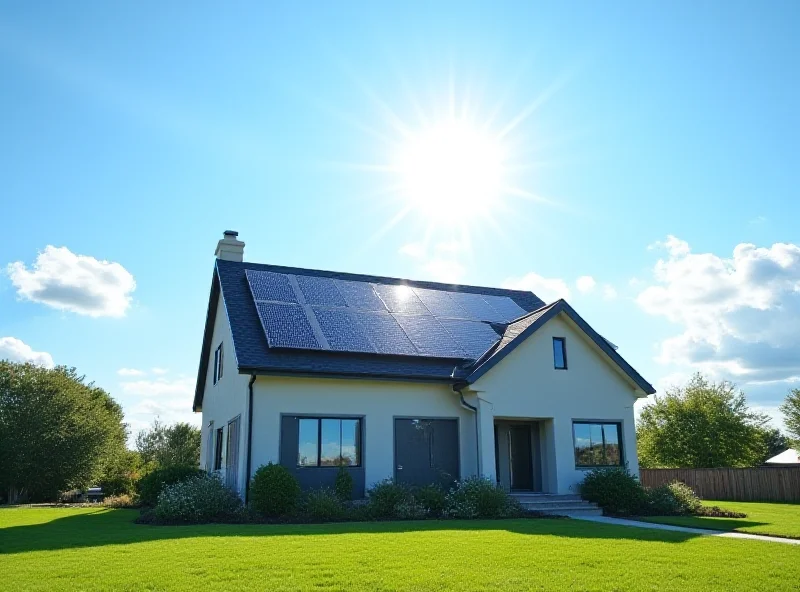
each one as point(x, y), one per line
point(560, 353)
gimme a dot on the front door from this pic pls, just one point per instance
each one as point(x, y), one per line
point(521, 460)
point(426, 451)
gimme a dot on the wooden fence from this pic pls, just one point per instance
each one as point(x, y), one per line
point(765, 484)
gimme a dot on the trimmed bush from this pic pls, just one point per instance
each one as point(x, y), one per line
point(151, 485)
point(662, 502)
point(274, 491)
point(477, 497)
point(343, 485)
point(386, 496)
point(685, 498)
point(199, 499)
point(323, 504)
point(431, 498)
point(615, 490)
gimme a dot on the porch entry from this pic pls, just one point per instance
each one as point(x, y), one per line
point(518, 455)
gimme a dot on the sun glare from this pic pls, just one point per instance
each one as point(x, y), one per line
point(451, 170)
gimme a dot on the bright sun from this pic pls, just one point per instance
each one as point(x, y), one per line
point(452, 170)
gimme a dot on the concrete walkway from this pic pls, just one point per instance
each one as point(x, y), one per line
point(698, 531)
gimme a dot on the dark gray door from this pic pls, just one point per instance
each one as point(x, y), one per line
point(521, 459)
point(426, 451)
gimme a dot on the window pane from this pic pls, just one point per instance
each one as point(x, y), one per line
point(583, 445)
point(351, 444)
point(596, 435)
point(613, 453)
point(558, 353)
point(307, 455)
point(331, 442)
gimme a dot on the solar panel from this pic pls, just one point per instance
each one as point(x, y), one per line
point(505, 306)
point(359, 295)
point(429, 336)
point(319, 290)
point(342, 330)
point(268, 285)
point(400, 299)
point(474, 337)
point(440, 304)
point(286, 325)
point(477, 307)
point(385, 334)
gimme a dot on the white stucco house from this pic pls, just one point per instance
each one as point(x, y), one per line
point(418, 381)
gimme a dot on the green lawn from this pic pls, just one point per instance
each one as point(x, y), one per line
point(88, 549)
point(762, 518)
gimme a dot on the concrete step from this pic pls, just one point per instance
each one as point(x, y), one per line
point(546, 496)
point(571, 513)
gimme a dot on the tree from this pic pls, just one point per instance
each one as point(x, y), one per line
point(56, 431)
point(775, 443)
point(701, 425)
point(166, 446)
point(791, 413)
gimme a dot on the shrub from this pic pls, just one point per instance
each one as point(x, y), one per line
point(431, 498)
point(615, 490)
point(203, 498)
point(717, 512)
point(477, 497)
point(662, 502)
point(120, 501)
point(344, 485)
point(386, 496)
point(323, 504)
point(685, 498)
point(151, 485)
point(274, 491)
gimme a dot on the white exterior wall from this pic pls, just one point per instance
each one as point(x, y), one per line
point(225, 400)
point(378, 401)
point(526, 385)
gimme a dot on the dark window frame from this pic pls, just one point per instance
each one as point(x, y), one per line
point(218, 441)
point(563, 342)
point(218, 359)
point(319, 419)
point(600, 423)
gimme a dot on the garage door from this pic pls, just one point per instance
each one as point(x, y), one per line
point(426, 451)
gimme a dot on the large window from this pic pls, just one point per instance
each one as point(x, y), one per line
point(597, 444)
point(218, 450)
point(560, 353)
point(328, 442)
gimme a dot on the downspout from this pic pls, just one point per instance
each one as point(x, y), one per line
point(249, 435)
point(457, 388)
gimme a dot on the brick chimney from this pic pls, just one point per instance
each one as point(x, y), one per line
point(230, 248)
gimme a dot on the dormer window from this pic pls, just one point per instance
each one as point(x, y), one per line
point(218, 364)
point(560, 353)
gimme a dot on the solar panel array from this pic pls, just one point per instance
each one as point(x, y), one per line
point(322, 313)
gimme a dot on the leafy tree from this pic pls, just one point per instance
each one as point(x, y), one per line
point(775, 443)
point(56, 431)
point(791, 413)
point(167, 446)
point(701, 425)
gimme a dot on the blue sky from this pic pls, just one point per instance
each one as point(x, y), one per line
point(135, 134)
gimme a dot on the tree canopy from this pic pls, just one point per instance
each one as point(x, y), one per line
point(166, 446)
point(56, 431)
point(791, 413)
point(703, 424)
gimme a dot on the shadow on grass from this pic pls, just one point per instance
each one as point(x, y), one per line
point(117, 527)
point(723, 524)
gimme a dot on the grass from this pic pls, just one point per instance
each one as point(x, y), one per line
point(99, 549)
point(762, 518)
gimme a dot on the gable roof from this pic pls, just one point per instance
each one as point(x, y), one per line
point(254, 355)
point(519, 330)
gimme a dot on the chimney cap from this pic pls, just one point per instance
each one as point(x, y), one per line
point(232, 233)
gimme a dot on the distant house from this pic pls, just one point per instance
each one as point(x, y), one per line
point(418, 381)
point(787, 457)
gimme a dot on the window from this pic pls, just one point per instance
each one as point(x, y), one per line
point(218, 364)
point(597, 444)
point(328, 442)
point(218, 450)
point(232, 455)
point(560, 353)
point(210, 447)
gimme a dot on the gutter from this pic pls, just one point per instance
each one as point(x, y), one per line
point(457, 388)
point(249, 436)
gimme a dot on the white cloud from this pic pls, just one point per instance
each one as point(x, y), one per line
point(77, 283)
point(16, 350)
point(130, 372)
point(415, 250)
point(548, 289)
point(740, 315)
point(585, 284)
point(160, 387)
point(159, 371)
point(609, 292)
point(167, 400)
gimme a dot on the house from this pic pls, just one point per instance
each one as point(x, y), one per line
point(789, 457)
point(419, 381)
